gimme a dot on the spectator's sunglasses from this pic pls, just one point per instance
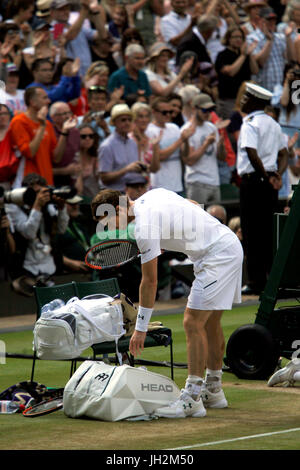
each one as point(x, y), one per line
point(97, 88)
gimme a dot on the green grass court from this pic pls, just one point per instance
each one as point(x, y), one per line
point(258, 417)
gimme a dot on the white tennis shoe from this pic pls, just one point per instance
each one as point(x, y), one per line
point(183, 407)
point(213, 400)
point(285, 375)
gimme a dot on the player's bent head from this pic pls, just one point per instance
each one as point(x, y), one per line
point(108, 197)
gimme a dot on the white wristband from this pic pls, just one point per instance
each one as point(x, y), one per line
point(143, 318)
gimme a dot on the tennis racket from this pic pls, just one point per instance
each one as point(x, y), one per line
point(111, 254)
point(44, 407)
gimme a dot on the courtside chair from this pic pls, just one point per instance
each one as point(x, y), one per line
point(110, 287)
point(44, 295)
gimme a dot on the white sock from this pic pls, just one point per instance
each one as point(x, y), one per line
point(213, 380)
point(193, 386)
point(297, 376)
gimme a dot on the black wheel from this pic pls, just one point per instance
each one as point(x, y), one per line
point(252, 353)
point(44, 407)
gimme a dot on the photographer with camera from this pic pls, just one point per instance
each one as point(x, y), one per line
point(7, 244)
point(35, 225)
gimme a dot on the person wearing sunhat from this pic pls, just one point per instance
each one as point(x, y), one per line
point(252, 9)
point(164, 81)
point(261, 160)
point(118, 153)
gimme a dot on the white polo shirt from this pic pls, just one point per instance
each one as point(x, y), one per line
point(166, 221)
point(172, 24)
point(261, 132)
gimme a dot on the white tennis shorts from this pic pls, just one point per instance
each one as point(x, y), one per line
point(218, 279)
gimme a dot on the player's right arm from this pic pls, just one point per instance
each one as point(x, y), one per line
point(148, 288)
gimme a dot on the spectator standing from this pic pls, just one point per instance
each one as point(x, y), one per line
point(130, 36)
point(187, 94)
point(145, 14)
point(118, 153)
point(96, 116)
point(14, 97)
point(148, 149)
point(77, 36)
point(234, 65)
point(202, 179)
point(197, 39)
point(260, 163)
point(173, 146)
point(33, 135)
point(42, 45)
point(9, 161)
point(66, 171)
point(87, 182)
point(252, 9)
point(177, 24)
point(119, 22)
point(20, 12)
point(68, 87)
point(162, 80)
point(101, 50)
point(10, 46)
point(131, 76)
point(273, 49)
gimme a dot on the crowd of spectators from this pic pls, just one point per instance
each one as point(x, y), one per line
point(129, 95)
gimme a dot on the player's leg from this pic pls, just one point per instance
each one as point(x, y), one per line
point(190, 401)
point(212, 393)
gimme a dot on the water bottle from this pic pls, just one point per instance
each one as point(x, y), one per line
point(48, 308)
point(8, 407)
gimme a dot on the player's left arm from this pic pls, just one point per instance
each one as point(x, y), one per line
point(147, 294)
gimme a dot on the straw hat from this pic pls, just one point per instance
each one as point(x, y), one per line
point(254, 3)
point(157, 48)
point(119, 110)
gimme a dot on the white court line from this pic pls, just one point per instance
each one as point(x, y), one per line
point(254, 436)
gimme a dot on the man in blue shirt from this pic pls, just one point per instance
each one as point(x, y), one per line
point(68, 87)
point(131, 76)
point(118, 154)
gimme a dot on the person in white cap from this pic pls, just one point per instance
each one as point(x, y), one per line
point(261, 160)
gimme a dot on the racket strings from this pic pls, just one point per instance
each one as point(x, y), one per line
point(112, 255)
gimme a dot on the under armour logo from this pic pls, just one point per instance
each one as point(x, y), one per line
point(185, 406)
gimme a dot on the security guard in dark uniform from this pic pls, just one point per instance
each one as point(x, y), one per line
point(261, 160)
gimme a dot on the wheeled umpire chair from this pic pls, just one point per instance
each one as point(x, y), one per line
point(253, 350)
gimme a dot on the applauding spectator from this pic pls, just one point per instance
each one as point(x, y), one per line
point(148, 149)
point(131, 76)
point(34, 136)
point(161, 79)
point(234, 65)
point(68, 87)
point(66, 171)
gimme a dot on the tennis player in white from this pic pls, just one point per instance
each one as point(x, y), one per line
point(166, 221)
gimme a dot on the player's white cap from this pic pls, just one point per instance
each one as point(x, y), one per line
point(258, 91)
